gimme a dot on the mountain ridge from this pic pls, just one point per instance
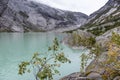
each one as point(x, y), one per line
point(104, 19)
point(26, 15)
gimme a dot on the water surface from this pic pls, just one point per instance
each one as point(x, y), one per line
point(17, 47)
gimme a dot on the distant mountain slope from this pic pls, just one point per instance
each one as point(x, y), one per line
point(104, 19)
point(25, 15)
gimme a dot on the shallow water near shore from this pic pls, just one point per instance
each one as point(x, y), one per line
point(17, 47)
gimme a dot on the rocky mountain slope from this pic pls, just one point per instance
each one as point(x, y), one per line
point(104, 19)
point(26, 15)
point(102, 23)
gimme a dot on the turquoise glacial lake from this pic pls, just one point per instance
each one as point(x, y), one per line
point(18, 47)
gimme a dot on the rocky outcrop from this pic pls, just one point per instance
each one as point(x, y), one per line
point(104, 70)
point(80, 76)
point(103, 39)
point(74, 76)
point(102, 23)
point(75, 39)
point(93, 72)
point(104, 19)
point(96, 70)
point(117, 78)
point(27, 15)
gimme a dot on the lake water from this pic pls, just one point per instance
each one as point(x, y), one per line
point(17, 47)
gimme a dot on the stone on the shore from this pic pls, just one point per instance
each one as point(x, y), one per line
point(94, 76)
point(117, 78)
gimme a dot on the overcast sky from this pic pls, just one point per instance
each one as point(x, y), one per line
point(84, 6)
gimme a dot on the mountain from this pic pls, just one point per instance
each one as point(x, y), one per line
point(26, 15)
point(104, 19)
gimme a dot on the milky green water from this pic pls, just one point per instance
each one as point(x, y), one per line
point(17, 47)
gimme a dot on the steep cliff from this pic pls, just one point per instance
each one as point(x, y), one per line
point(26, 15)
point(104, 19)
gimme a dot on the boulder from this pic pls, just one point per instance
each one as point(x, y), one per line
point(117, 78)
point(74, 76)
point(94, 76)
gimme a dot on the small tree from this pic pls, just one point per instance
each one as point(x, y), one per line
point(46, 64)
point(96, 50)
point(85, 58)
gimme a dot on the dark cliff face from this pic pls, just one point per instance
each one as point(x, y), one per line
point(25, 15)
point(3, 6)
point(104, 19)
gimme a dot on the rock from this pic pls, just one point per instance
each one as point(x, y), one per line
point(79, 76)
point(69, 39)
point(27, 15)
point(94, 76)
point(82, 78)
point(103, 39)
point(104, 19)
point(74, 76)
point(104, 71)
point(98, 70)
point(96, 66)
point(117, 78)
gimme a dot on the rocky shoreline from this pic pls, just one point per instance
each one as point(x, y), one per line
point(91, 76)
point(95, 70)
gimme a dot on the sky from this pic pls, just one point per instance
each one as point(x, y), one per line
point(84, 6)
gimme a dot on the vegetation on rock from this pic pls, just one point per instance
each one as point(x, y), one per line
point(112, 64)
point(79, 40)
point(99, 30)
point(107, 64)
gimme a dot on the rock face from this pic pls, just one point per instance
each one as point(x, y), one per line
point(96, 71)
point(103, 22)
point(79, 76)
point(74, 39)
point(117, 78)
point(26, 15)
point(104, 38)
point(105, 18)
point(74, 76)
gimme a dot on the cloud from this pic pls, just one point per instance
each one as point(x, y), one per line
point(85, 6)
